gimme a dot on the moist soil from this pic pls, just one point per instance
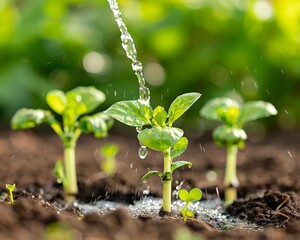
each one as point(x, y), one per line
point(269, 190)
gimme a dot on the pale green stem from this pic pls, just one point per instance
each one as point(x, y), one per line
point(11, 197)
point(231, 181)
point(70, 186)
point(167, 183)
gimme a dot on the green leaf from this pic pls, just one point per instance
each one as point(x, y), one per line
point(160, 116)
point(28, 118)
point(160, 138)
point(109, 150)
point(10, 187)
point(189, 213)
point(180, 105)
point(211, 109)
point(183, 195)
point(99, 124)
point(179, 147)
point(229, 116)
point(84, 99)
point(179, 164)
point(227, 135)
point(134, 113)
point(149, 174)
point(254, 110)
point(195, 194)
point(57, 101)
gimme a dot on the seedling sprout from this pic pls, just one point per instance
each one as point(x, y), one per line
point(160, 136)
point(71, 106)
point(109, 152)
point(11, 188)
point(194, 195)
point(232, 135)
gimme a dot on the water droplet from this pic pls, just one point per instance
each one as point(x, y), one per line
point(143, 152)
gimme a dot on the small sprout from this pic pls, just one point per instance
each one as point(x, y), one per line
point(11, 188)
point(194, 195)
point(109, 152)
point(232, 135)
point(73, 107)
point(160, 136)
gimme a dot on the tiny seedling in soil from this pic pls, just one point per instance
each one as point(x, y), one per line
point(194, 195)
point(161, 136)
point(109, 152)
point(231, 134)
point(71, 106)
point(11, 188)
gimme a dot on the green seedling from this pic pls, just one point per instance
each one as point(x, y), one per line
point(73, 107)
point(160, 136)
point(231, 134)
point(109, 152)
point(194, 195)
point(11, 188)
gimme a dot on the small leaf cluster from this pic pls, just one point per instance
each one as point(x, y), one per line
point(234, 115)
point(194, 195)
point(70, 105)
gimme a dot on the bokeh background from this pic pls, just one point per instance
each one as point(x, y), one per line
point(247, 49)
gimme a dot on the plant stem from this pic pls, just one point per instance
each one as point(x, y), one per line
point(167, 182)
point(231, 181)
point(70, 187)
point(11, 197)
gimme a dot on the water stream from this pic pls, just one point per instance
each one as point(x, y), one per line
point(130, 50)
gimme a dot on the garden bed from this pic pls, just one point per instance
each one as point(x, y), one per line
point(268, 195)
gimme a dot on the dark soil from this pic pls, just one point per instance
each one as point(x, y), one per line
point(268, 195)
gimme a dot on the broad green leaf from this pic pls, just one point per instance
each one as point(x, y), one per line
point(179, 164)
point(254, 110)
point(180, 105)
point(160, 138)
point(212, 108)
point(179, 147)
point(57, 101)
point(84, 99)
point(149, 174)
point(29, 118)
point(98, 124)
point(183, 194)
point(134, 113)
point(160, 116)
point(195, 194)
point(227, 135)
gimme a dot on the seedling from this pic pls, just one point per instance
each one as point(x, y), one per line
point(109, 152)
point(11, 188)
point(194, 195)
point(231, 134)
point(160, 136)
point(71, 106)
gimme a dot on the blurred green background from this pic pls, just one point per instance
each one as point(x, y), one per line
point(247, 48)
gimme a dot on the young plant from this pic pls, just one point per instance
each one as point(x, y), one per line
point(11, 188)
point(160, 135)
point(109, 152)
point(194, 195)
point(71, 106)
point(231, 134)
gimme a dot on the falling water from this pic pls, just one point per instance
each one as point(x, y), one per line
point(137, 66)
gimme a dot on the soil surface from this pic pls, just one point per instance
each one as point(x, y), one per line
point(269, 190)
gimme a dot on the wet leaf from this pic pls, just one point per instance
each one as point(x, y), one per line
point(180, 105)
point(160, 138)
point(254, 110)
point(99, 124)
point(211, 110)
point(134, 113)
point(29, 118)
point(57, 101)
point(179, 147)
point(179, 164)
point(195, 194)
point(227, 135)
point(160, 116)
point(149, 174)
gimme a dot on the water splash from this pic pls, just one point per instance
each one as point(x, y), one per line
point(130, 50)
